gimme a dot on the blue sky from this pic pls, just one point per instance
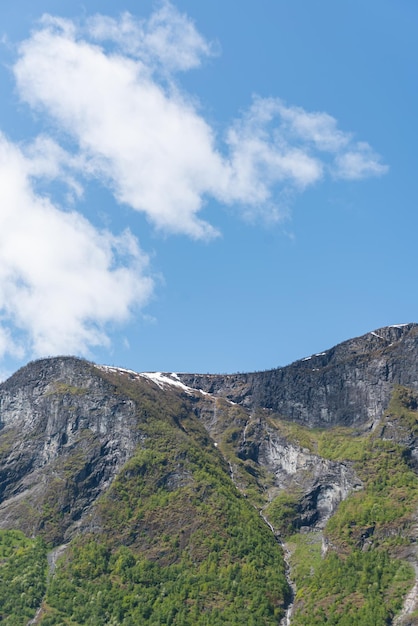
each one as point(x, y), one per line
point(192, 187)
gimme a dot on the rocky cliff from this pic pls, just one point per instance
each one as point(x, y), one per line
point(64, 436)
point(164, 466)
point(67, 428)
point(348, 385)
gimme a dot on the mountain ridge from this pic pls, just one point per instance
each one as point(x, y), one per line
point(203, 478)
point(289, 390)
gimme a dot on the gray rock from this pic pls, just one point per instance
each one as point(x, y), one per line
point(348, 385)
point(66, 429)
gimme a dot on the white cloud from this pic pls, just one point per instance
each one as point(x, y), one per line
point(319, 128)
point(61, 280)
point(146, 139)
point(168, 39)
point(260, 157)
point(360, 161)
point(154, 149)
point(47, 160)
point(290, 145)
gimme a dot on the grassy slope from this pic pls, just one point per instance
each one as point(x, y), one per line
point(178, 544)
point(363, 577)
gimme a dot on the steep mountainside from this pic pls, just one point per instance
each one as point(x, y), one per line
point(347, 385)
point(132, 498)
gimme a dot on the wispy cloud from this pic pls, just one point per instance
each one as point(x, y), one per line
point(261, 157)
point(168, 39)
point(317, 128)
point(145, 136)
point(359, 161)
point(61, 280)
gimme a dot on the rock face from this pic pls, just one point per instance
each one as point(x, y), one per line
point(322, 483)
point(64, 435)
point(67, 429)
point(181, 470)
point(348, 385)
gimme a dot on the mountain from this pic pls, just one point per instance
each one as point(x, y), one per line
point(345, 386)
point(288, 496)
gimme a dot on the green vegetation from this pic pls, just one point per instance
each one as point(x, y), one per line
point(178, 543)
point(282, 512)
point(61, 388)
point(342, 444)
point(296, 433)
point(360, 588)
point(100, 586)
point(390, 495)
point(387, 502)
point(251, 478)
point(23, 566)
point(403, 409)
point(361, 580)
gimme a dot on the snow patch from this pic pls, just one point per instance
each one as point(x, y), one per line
point(160, 379)
point(111, 368)
point(308, 358)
